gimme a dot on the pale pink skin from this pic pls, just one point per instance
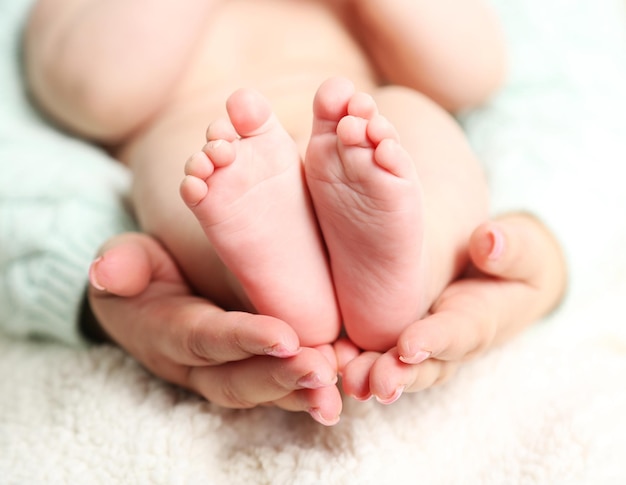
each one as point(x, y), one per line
point(178, 69)
point(368, 200)
point(246, 189)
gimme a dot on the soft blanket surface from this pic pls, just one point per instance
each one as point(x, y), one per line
point(549, 407)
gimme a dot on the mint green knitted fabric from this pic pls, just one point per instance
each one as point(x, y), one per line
point(60, 199)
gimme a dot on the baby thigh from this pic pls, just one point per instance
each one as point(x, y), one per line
point(454, 188)
point(157, 161)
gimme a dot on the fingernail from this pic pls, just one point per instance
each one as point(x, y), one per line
point(313, 381)
point(317, 416)
point(281, 351)
point(92, 275)
point(393, 398)
point(497, 243)
point(417, 358)
point(364, 398)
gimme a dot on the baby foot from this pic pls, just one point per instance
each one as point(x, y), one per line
point(367, 197)
point(247, 191)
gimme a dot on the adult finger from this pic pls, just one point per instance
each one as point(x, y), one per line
point(195, 332)
point(355, 376)
point(188, 330)
point(389, 378)
point(470, 316)
point(519, 275)
point(518, 246)
point(324, 404)
point(345, 352)
point(257, 380)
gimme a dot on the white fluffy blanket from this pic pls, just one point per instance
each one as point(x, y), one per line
point(550, 407)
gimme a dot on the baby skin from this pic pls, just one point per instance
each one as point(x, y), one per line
point(262, 210)
point(246, 190)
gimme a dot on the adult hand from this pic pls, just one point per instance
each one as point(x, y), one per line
point(517, 275)
point(234, 359)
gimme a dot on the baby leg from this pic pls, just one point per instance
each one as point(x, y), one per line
point(247, 191)
point(394, 243)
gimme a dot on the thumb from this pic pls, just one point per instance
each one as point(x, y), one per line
point(519, 247)
point(127, 263)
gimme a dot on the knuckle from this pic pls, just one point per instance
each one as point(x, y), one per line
point(485, 329)
point(197, 343)
point(217, 386)
point(232, 398)
point(447, 372)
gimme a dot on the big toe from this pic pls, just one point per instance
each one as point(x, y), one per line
point(249, 112)
point(332, 99)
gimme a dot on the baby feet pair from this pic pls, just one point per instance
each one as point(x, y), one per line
point(336, 240)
